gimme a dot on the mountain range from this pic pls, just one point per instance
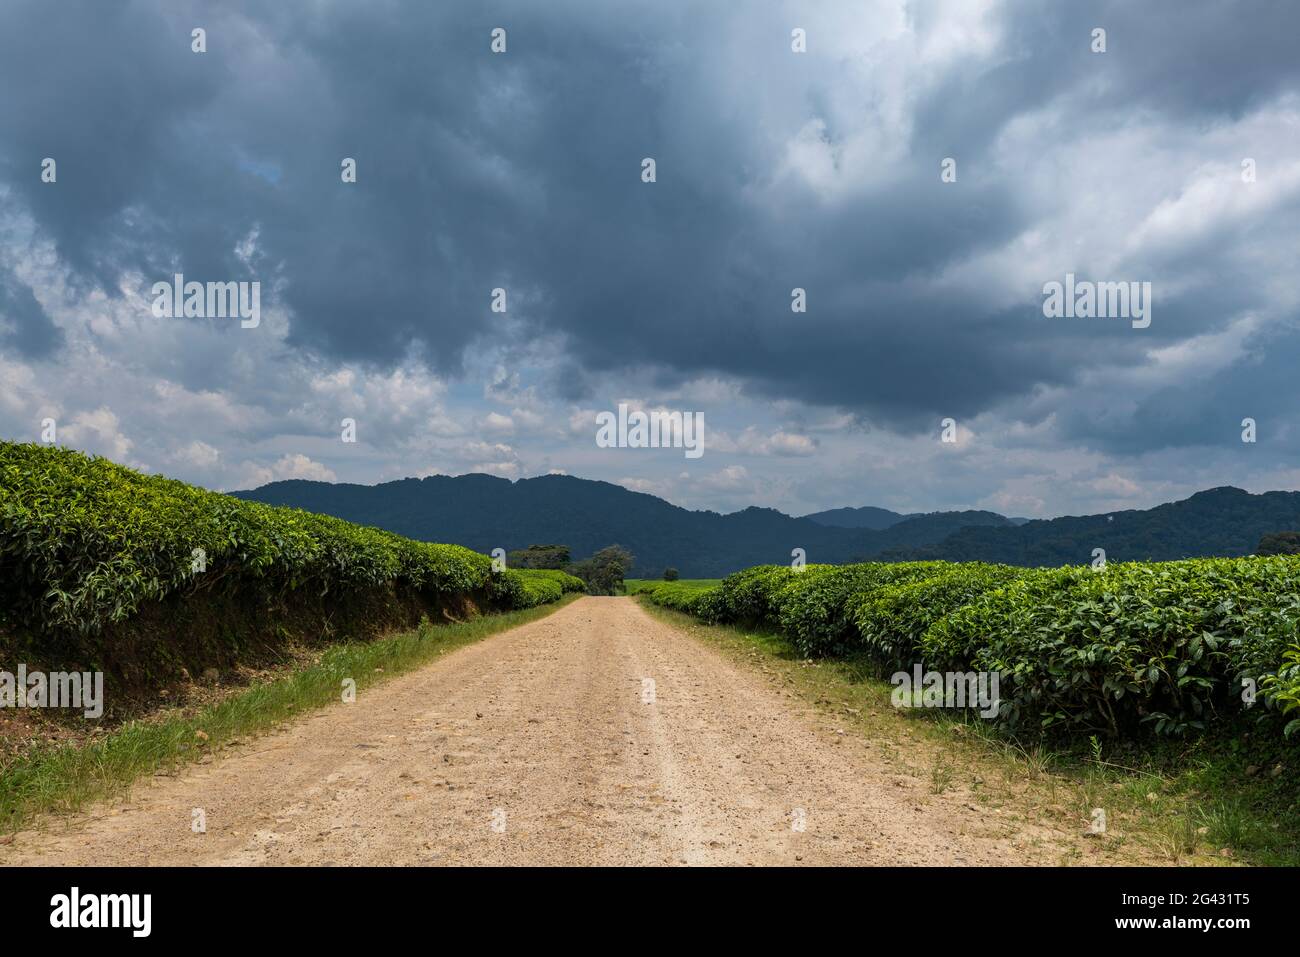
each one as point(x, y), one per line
point(484, 512)
point(869, 516)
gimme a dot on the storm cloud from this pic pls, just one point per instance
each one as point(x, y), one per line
point(775, 170)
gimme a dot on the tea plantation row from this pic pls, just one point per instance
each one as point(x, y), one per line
point(87, 546)
point(1167, 646)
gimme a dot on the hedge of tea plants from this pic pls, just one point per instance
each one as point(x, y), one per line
point(86, 543)
point(1171, 647)
point(544, 585)
point(682, 595)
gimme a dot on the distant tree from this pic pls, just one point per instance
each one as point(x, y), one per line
point(539, 556)
point(603, 572)
point(670, 574)
point(1279, 543)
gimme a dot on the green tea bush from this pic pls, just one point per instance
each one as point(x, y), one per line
point(1284, 687)
point(693, 597)
point(1161, 643)
point(892, 620)
point(952, 642)
point(748, 597)
point(84, 543)
point(1169, 646)
point(539, 586)
point(568, 583)
point(815, 607)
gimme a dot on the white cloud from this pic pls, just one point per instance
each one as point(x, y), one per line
point(298, 466)
point(496, 423)
point(198, 455)
point(98, 431)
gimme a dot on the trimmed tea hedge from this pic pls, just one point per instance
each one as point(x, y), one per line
point(85, 544)
point(543, 585)
point(1163, 643)
point(688, 596)
point(815, 608)
point(894, 619)
point(1167, 645)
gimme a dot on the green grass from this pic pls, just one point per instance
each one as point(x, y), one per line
point(635, 586)
point(64, 779)
point(1193, 797)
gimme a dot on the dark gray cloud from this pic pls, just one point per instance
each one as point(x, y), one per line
point(774, 171)
point(24, 326)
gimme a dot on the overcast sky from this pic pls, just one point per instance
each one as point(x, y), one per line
point(775, 169)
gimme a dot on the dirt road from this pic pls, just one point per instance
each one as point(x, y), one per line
point(547, 744)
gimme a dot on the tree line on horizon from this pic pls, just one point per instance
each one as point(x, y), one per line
point(602, 572)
